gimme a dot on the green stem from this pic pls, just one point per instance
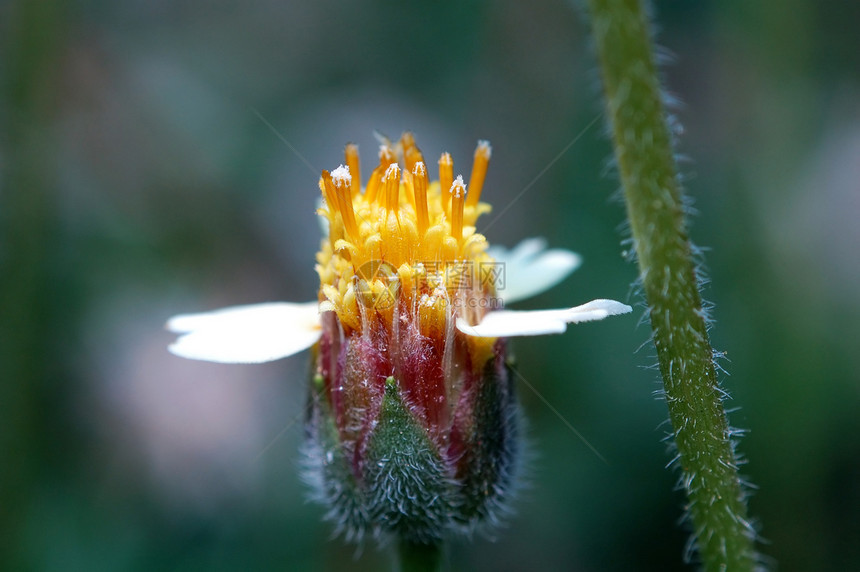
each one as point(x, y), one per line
point(418, 557)
point(31, 282)
point(643, 149)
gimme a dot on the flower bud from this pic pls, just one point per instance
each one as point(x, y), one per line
point(413, 423)
point(412, 428)
point(400, 444)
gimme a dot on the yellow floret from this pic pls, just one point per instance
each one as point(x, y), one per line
point(403, 240)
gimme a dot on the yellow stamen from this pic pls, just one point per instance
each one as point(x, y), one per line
point(479, 172)
point(352, 162)
point(330, 199)
point(446, 178)
point(458, 196)
point(407, 142)
point(411, 152)
point(338, 187)
point(386, 157)
point(372, 187)
point(419, 181)
point(391, 181)
point(423, 233)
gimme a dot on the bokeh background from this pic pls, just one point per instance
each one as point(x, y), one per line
point(162, 157)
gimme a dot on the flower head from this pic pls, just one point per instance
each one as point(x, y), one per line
point(403, 256)
point(413, 420)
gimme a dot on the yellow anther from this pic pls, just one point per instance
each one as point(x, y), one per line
point(328, 195)
point(353, 163)
point(400, 218)
point(386, 156)
point(479, 172)
point(407, 142)
point(391, 183)
point(372, 188)
point(446, 179)
point(419, 182)
point(458, 197)
point(339, 188)
point(412, 156)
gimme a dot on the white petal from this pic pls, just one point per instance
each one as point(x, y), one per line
point(508, 323)
point(530, 269)
point(525, 249)
point(247, 334)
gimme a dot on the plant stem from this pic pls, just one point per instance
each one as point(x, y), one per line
point(418, 557)
point(33, 281)
point(646, 163)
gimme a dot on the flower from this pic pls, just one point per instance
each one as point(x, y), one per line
point(413, 424)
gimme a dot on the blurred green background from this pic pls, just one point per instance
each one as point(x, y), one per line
point(142, 176)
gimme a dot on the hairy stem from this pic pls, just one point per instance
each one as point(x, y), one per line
point(643, 149)
point(418, 557)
